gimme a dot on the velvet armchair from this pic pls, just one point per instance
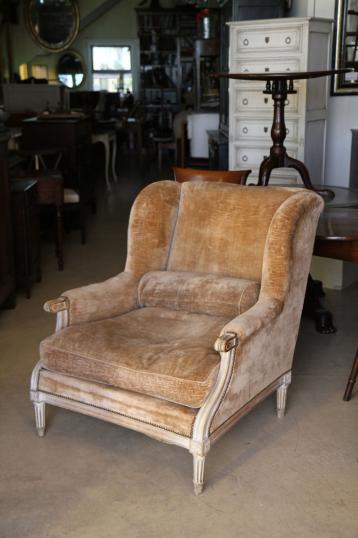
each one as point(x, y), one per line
point(199, 327)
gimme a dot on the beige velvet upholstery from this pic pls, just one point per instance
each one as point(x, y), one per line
point(199, 327)
point(155, 351)
point(198, 292)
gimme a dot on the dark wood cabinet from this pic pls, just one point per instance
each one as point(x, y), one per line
point(26, 233)
point(7, 280)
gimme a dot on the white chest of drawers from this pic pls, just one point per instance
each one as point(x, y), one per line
point(279, 45)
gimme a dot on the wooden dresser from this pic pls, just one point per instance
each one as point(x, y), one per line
point(7, 280)
point(279, 45)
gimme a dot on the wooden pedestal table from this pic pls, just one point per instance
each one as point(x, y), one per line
point(279, 86)
point(337, 238)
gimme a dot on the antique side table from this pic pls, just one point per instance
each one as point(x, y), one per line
point(279, 85)
point(337, 238)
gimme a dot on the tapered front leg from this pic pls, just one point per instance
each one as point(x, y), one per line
point(198, 477)
point(40, 418)
point(282, 395)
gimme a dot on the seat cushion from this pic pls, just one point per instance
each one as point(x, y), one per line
point(160, 352)
point(201, 293)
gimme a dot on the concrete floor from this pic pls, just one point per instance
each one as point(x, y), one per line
point(266, 478)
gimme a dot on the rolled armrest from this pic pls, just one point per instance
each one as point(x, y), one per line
point(261, 314)
point(102, 300)
point(53, 306)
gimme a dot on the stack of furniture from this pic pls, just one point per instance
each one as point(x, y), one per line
point(166, 39)
point(285, 45)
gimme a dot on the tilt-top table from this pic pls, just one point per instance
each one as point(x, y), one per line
point(279, 85)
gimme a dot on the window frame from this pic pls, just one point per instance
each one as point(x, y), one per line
point(133, 44)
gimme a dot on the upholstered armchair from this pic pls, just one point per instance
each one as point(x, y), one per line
point(199, 327)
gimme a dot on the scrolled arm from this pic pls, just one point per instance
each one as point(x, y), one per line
point(53, 306)
point(225, 342)
point(102, 300)
point(261, 314)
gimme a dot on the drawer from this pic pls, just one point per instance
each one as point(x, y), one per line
point(253, 129)
point(279, 176)
point(285, 39)
point(265, 65)
point(245, 157)
point(255, 101)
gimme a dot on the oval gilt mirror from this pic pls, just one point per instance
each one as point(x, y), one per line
point(53, 24)
point(71, 69)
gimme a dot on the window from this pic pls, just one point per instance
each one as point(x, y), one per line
point(112, 68)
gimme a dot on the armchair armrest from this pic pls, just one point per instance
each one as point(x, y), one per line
point(102, 300)
point(53, 306)
point(261, 314)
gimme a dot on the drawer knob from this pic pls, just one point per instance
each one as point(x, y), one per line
point(288, 40)
point(265, 129)
point(288, 69)
point(265, 157)
point(245, 130)
point(245, 101)
point(267, 40)
point(267, 69)
point(245, 70)
point(265, 100)
point(246, 42)
point(287, 102)
point(244, 158)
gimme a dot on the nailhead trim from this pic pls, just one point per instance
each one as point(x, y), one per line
point(117, 413)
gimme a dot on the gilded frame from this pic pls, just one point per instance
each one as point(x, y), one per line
point(340, 84)
point(58, 47)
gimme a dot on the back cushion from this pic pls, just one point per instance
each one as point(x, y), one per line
point(199, 293)
point(222, 228)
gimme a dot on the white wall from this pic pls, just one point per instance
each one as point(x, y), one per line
point(342, 110)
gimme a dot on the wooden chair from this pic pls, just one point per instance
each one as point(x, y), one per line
point(195, 174)
point(174, 142)
point(50, 192)
point(351, 379)
point(49, 187)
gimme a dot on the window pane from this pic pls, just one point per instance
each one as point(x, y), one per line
point(111, 58)
point(71, 81)
point(112, 83)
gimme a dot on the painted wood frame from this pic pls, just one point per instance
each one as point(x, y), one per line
point(201, 439)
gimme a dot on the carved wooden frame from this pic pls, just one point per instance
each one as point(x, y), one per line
point(201, 439)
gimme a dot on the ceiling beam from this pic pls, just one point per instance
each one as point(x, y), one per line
point(98, 12)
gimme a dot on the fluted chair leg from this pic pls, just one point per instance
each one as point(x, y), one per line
point(282, 395)
point(40, 418)
point(198, 476)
